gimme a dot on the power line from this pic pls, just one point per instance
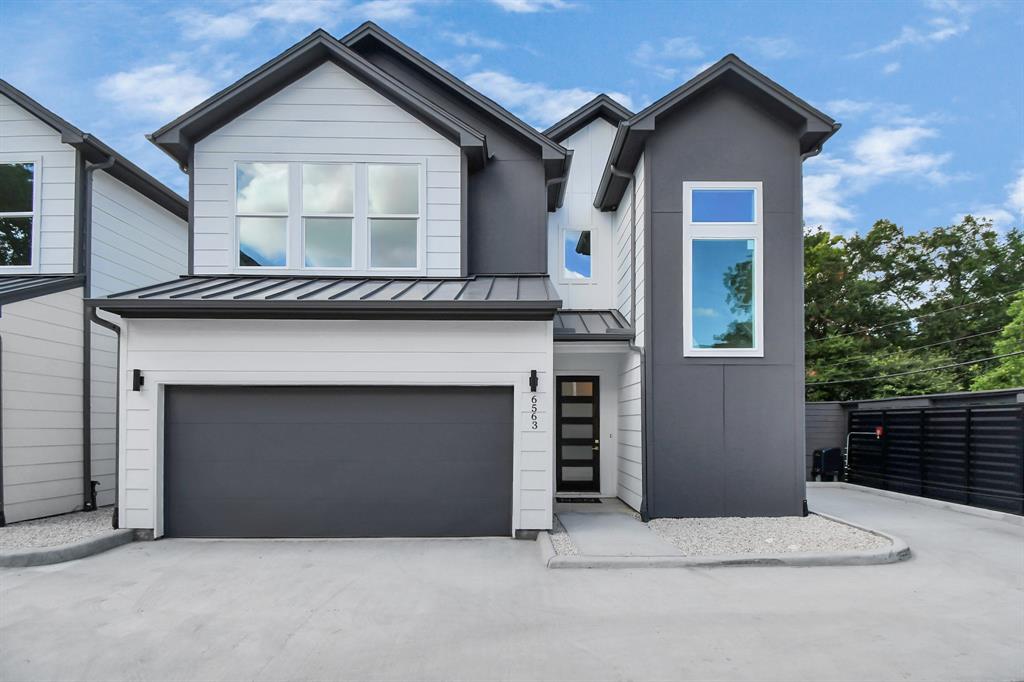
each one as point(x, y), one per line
point(907, 350)
point(915, 371)
point(863, 330)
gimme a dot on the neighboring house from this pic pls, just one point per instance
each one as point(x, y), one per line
point(77, 219)
point(409, 313)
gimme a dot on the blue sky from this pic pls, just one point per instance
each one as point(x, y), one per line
point(930, 94)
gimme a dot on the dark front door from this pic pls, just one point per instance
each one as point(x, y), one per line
point(337, 461)
point(579, 435)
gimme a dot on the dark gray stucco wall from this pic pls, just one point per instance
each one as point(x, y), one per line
point(507, 212)
point(725, 434)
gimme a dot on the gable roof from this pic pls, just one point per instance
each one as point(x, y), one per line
point(556, 159)
point(816, 127)
point(177, 137)
point(96, 151)
point(601, 106)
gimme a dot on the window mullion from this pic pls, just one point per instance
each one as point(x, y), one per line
point(360, 222)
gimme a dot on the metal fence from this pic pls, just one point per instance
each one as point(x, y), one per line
point(969, 455)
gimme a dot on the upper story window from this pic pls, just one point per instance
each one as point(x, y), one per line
point(330, 216)
point(576, 256)
point(19, 219)
point(723, 278)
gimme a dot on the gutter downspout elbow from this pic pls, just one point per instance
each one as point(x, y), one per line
point(631, 177)
point(85, 261)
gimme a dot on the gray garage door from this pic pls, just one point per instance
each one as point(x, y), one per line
point(337, 461)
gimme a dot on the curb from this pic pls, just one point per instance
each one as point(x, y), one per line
point(898, 551)
point(981, 512)
point(41, 556)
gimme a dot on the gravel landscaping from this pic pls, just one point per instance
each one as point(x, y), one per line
point(560, 539)
point(785, 535)
point(55, 530)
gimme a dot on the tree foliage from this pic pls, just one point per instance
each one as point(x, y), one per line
point(1007, 371)
point(892, 303)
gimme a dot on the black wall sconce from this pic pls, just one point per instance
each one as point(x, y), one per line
point(533, 380)
point(138, 381)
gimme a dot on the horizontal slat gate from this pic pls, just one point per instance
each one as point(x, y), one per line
point(969, 455)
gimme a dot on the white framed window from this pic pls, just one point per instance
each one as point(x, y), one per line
point(331, 216)
point(20, 180)
point(723, 269)
point(577, 256)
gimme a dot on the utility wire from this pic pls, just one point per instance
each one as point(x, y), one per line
point(863, 330)
point(906, 350)
point(915, 371)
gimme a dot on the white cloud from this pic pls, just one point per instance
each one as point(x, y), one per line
point(166, 90)
point(461, 62)
point(663, 56)
point(537, 103)
point(1011, 212)
point(882, 154)
point(849, 107)
point(949, 19)
point(385, 10)
point(890, 68)
point(532, 6)
point(772, 48)
point(198, 25)
point(471, 39)
point(705, 312)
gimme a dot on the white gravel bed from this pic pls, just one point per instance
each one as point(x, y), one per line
point(562, 542)
point(784, 535)
point(55, 530)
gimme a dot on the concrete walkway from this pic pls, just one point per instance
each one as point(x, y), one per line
point(489, 610)
point(611, 534)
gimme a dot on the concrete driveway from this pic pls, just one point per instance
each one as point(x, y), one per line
point(486, 609)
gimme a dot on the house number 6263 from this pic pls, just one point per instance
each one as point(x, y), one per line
point(534, 424)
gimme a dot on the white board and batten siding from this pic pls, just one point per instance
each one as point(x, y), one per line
point(335, 352)
point(24, 138)
point(327, 115)
point(135, 243)
point(590, 146)
point(41, 379)
point(630, 475)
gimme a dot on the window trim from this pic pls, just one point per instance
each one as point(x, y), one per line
point(728, 231)
point(295, 257)
point(577, 281)
point(36, 213)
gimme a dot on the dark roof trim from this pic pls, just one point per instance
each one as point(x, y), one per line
point(95, 150)
point(632, 133)
point(601, 106)
point(178, 136)
point(350, 297)
point(550, 148)
point(556, 186)
point(14, 288)
point(591, 325)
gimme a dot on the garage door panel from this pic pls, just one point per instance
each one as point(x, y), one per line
point(338, 461)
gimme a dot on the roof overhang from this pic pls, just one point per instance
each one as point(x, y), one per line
point(602, 106)
point(320, 297)
point(95, 150)
point(177, 137)
point(591, 325)
point(14, 288)
point(814, 127)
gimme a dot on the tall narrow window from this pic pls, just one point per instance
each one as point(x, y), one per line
point(722, 269)
point(261, 201)
point(328, 209)
point(393, 207)
point(17, 214)
point(576, 255)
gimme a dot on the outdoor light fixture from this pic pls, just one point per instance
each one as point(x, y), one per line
point(533, 380)
point(138, 381)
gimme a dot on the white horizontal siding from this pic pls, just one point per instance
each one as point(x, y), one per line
point(263, 352)
point(41, 382)
point(327, 115)
point(23, 137)
point(630, 477)
point(590, 147)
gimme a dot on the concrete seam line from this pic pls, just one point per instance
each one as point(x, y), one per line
point(547, 548)
point(41, 556)
point(980, 512)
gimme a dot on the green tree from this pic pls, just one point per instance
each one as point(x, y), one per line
point(1009, 372)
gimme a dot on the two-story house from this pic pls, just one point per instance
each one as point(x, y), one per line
point(77, 220)
point(409, 313)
